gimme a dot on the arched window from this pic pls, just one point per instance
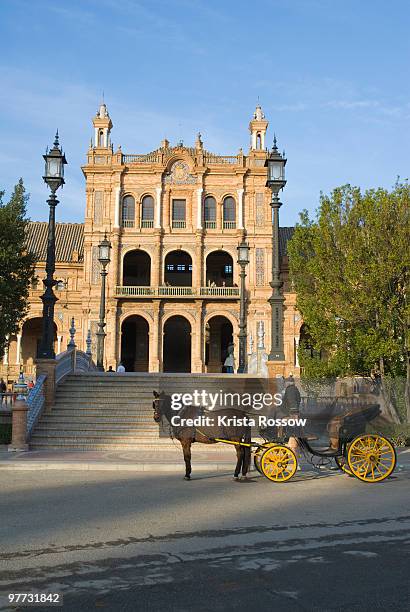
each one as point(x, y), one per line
point(229, 213)
point(210, 212)
point(147, 211)
point(101, 138)
point(258, 141)
point(128, 211)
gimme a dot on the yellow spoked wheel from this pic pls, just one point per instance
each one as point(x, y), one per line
point(278, 463)
point(371, 458)
point(258, 454)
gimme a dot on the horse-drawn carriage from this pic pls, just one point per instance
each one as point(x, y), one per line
point(370, 457)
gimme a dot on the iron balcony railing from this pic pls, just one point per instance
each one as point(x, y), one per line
point(122, 291)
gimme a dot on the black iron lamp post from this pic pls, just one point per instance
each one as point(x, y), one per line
point(54, 177)
point(243, 260)
point(104, 249)
point(275, 162)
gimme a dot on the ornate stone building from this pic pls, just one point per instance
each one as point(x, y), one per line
point(174, 217)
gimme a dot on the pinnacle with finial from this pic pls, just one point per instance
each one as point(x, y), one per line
point(56, 143)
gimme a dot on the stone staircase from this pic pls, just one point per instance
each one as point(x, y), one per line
point(101, 411)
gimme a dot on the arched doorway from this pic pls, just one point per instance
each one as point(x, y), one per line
point(219, 269)
point(218, 336)
point(178, 269)
point(31, 339)
point(135, 344)
point(176, 352)
point(136, 269)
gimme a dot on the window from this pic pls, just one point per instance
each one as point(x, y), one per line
point(181, 267)
point(258, 141)
point(128, 211)
point(229, 213)
point(209, 209)
point(101, 138)
point(60, 285)
point(170, 267)
point(178, 210)
point(178, 213)
point(147, 208)
point(228, 269)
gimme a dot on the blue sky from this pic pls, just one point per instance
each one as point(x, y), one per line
point(332, 77)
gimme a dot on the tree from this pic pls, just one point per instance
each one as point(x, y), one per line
point(16, 265)
point(350, 267)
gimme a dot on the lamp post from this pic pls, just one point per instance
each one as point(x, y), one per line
point(275, 162)
point(104, 258)
point(243, 260)
point(54, 177)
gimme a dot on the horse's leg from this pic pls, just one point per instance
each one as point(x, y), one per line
point(186, 447)
point(239, 461)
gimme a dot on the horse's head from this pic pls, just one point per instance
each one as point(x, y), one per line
point(157, 406)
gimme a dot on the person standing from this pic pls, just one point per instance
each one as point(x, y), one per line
point(3, 390)
point(229, 363)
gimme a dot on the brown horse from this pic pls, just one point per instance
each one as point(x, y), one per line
point(206, 434)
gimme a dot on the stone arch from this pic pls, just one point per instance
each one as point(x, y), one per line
point(136, 268)
point(177, 343)
point(178, 268)
point(219, 268)
point(135, 334)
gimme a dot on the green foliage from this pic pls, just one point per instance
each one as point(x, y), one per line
point(350, 268)
point(16, 265)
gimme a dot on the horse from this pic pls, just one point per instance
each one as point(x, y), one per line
point(206, 434)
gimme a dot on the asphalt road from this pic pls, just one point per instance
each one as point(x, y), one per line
point(122, 541)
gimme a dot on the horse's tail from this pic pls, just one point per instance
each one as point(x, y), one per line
point(247, 450)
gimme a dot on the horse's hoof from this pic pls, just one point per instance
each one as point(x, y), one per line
point(187, 477)
point(236, 478)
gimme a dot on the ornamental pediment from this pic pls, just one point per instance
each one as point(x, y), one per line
point(179, 174)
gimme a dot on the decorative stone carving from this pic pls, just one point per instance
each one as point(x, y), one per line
point(95, 267)
point(179, 175)
point(260, 267)
point(98, 207)
point(260, 211)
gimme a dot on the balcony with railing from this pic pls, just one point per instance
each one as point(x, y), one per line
point(128, 223)
point(229, 224)
point(178, 224)
point(122, 291)
point(210, 224)
point(147, 223)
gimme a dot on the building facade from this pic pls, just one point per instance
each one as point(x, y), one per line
point(174, 217)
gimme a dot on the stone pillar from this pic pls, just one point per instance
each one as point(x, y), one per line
point(18, 349)
point(240, 208)
point(19, 426)
point(48, 367)
point(117, 207)
point(199, 209)
point(59, 341)
point(297, 365)
point(6, 352)
point(196, 343)
point(158, 207)
point(199, 280)
point(154, 337)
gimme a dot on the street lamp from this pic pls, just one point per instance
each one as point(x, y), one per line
point(275, 162)
point(243, 260)
point(104, 258)
point(54, 177)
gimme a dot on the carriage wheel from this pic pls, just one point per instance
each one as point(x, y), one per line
point(278, 463)
point(342, 464)
point(258, 454)
point(371, 458)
